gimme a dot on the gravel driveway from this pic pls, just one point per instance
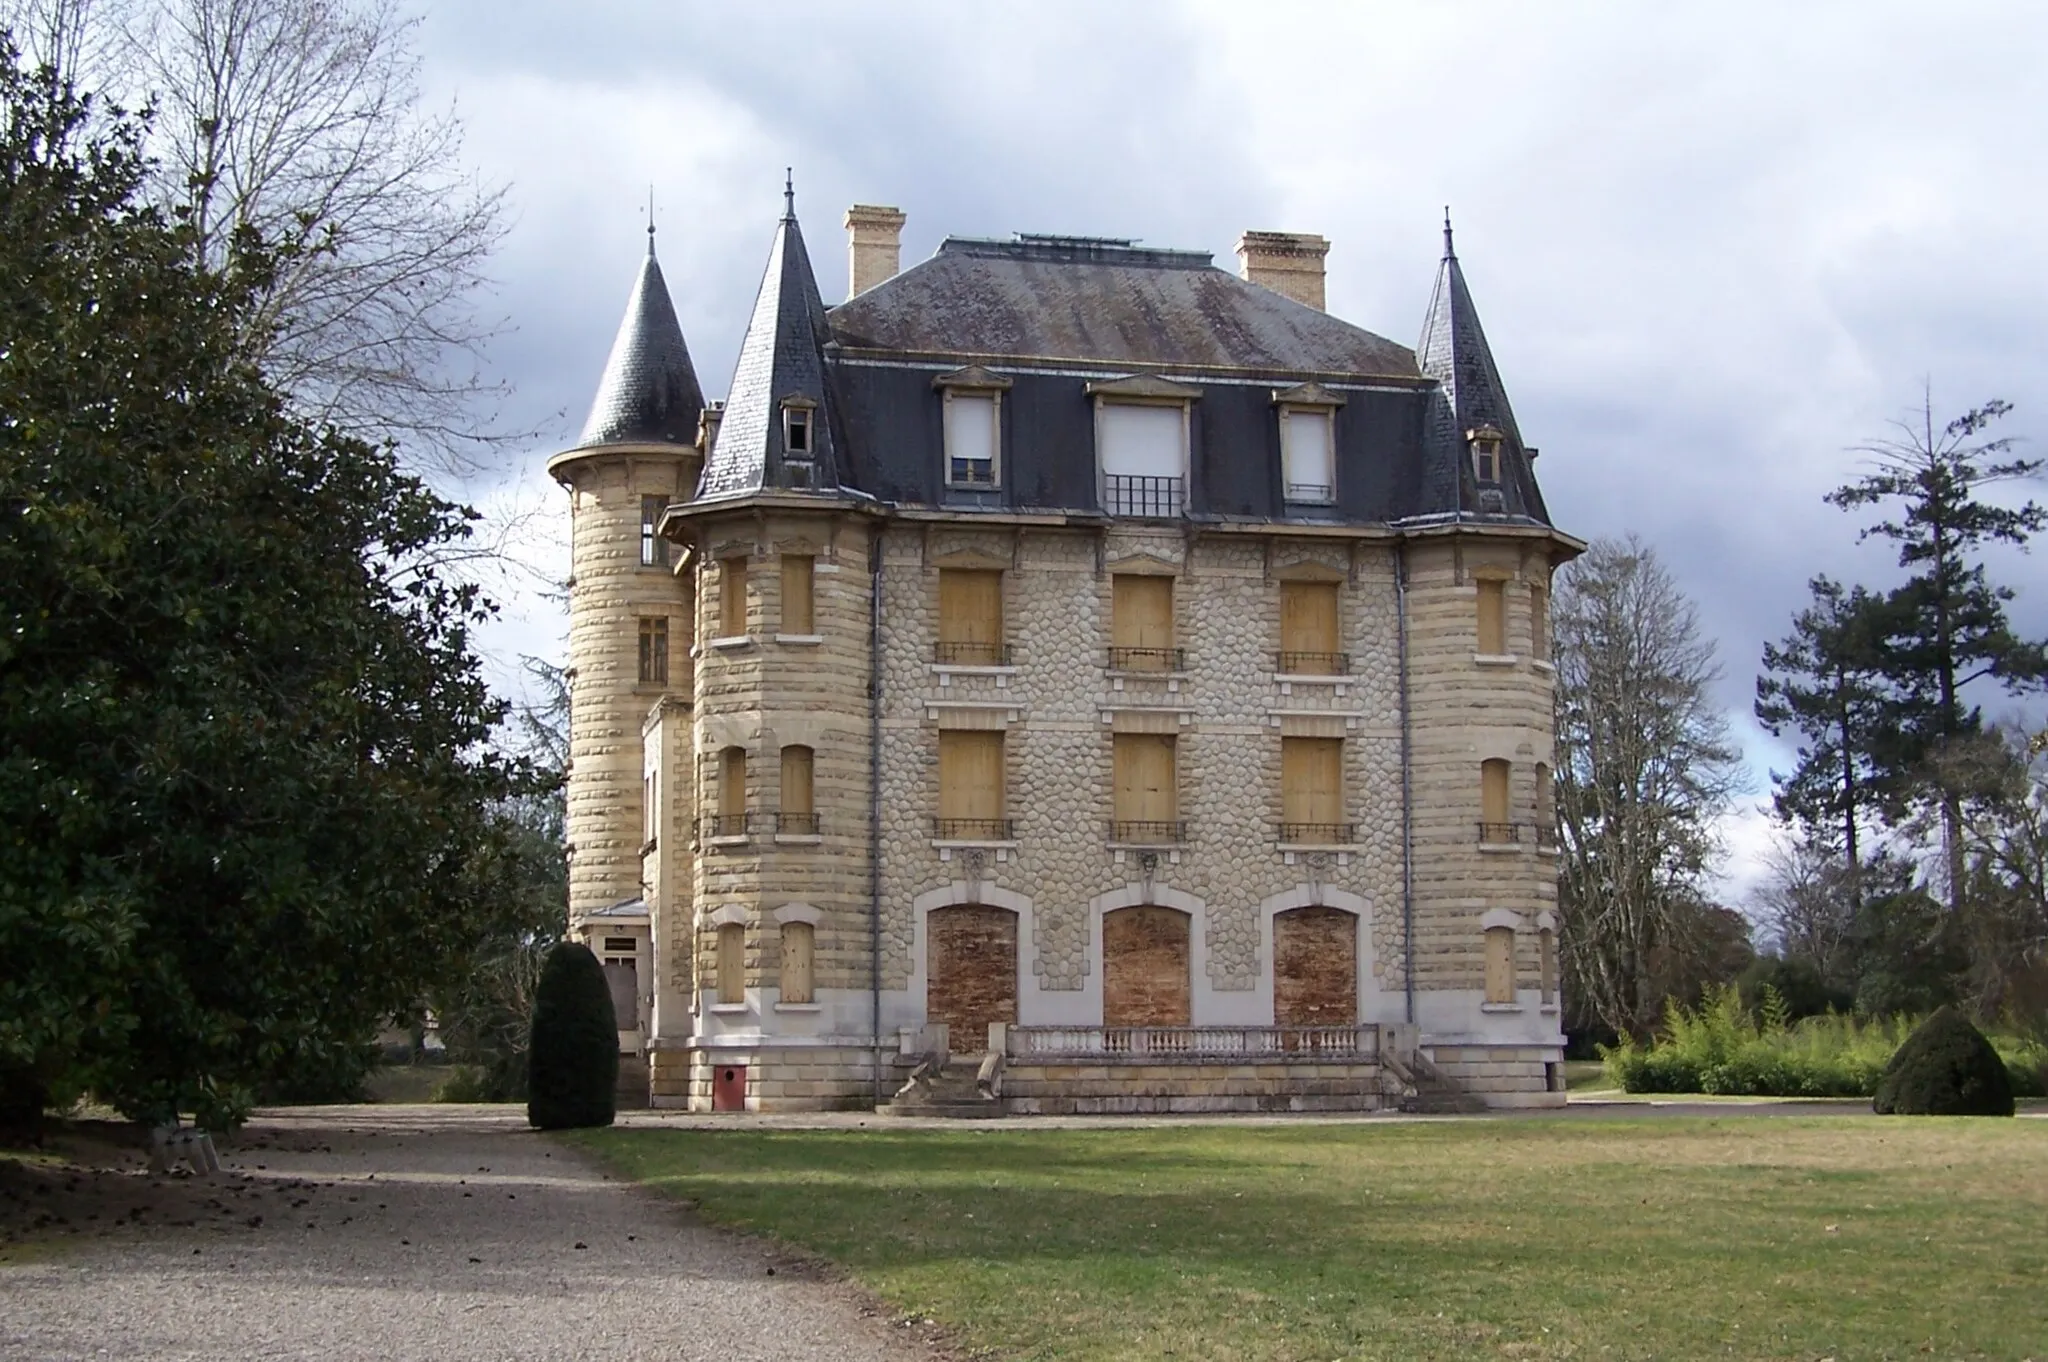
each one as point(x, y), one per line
point(433, 1233)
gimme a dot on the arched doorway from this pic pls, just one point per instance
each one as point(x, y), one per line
point(970, 971)
point(1315, 967)
point(1146, 967)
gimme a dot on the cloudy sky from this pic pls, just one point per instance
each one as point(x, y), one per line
point(1715, 245)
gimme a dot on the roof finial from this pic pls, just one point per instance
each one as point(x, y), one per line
point(788, 194)
point(1449, 254)
point(650, 220)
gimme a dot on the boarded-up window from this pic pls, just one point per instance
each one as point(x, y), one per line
point(1493, 799)
point(970, 971)
point(1315, 968)
point(797, 764)
point(732, 597)
point(971, 784)
point(1141, 623)
point(970, 617)
point(971, 439)
point(1145, 967)
point(654, 650)
point(1500, 964)
point(798, 955)
point(1312, 789)
point(798, 616)
point(732, 963)
point(623, 979)
point(1493, 636)
point(1144, 789)
point(1539, 621)
point(1311, 463)
point(653, 548)
point(1308, 629)
point(732, 789)
point(1546, 799)
point(1546, 961)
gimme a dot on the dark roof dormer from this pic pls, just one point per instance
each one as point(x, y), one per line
point(778, 431)
point(649, 393)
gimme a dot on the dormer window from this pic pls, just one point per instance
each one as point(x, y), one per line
point(1308, 444)
point(1142, 425)
point(796, 428)
point(1485, 453)
point(973, 427)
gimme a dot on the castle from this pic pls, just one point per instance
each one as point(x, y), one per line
point(1119, 662)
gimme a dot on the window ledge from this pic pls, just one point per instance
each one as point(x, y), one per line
point(1175, 847)
point(1499, 848)
point(1547, 851)
point(732, 1009)
point(799, 839)
point(1544, 665)
point(1145, 676)
point(972, 843)
point(1316, 846)
point(1492, 1007)
point(1312, 679)
point(1483, 659)
point(737, 840)
point(801, 640)
point(970, 669)
point(799, 1007)
point(735, 641)
point(1548, 1009)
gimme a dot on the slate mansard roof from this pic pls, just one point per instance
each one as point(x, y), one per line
point(1050, 316)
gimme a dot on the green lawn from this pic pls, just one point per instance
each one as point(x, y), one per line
point(1751, 1237)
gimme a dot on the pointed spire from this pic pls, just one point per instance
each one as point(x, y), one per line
point(650, 221)
point(649, 393)
point(781, 369)
point(1450, 253)
point(1454, 352)
point(789, 194)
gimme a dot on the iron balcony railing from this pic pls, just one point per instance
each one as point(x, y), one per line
point(724, 825)
point(1546, 836)
point(1148, 831)
point(971, 472)
point(1148, 659)
point(1159, 498)
point(1323, 834)
point(974, 830)
point(1502, 834)
point(971, 654)
point(797, 824)
point(1312, 664)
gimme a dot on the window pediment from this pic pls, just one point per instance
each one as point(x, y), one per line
point(1143, 388)
point(1309, 394)
point(974, 378)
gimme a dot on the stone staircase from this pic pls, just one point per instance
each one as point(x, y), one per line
point(955, 1087)
point(1418, 1087)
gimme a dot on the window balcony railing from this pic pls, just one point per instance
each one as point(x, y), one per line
point(1312, 664)
point(1319, 834)
point(974, 830)
point(1148, 659)
point(1503, 834)
point(796, 824)
point(1148, 831)
point(971, 654)
point(724, 825)
point(1546, 836)
point(971, 472)
point(1311, 493)
point(1160, 498)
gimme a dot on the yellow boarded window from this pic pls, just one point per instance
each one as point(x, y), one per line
point(798, 616)
point(1141, 623)
point(1311, 787)
point(1539, 621)
point(799, 943)
point(654, 650)
point(1493, 797)
point(732, 597)
point(732, 787)
point(796, 779)
point(1308, 628)
point(1500, 964)
point(970, 783)
point(970, 617)
point(1493, 637)
point(1144, 790)
point(732, 963)
point(1546, 942)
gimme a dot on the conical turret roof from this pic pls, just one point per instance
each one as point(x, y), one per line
point(649, 393)
point(781, 364)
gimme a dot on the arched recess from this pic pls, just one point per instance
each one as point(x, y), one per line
point(970, 948)
point(1147, 966)
point(1351, 927)
point(1315, 967)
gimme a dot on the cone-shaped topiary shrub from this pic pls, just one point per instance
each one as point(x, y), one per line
point(573, 1057)
point(1945, 1068)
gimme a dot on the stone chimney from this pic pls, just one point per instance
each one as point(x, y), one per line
point(1289, 263)
point(874, 246)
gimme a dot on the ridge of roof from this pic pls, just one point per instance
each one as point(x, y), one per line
point(782, 357)
point(648, 393)
point(1102, 250)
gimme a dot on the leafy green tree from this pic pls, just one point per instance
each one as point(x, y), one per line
point(1946, 626)
point(246, 790)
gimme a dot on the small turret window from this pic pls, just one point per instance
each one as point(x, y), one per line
point(796, 432)
point(1485, 453)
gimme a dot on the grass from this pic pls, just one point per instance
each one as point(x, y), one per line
point(1528, 1238)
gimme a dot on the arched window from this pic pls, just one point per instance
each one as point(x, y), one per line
point(1500, 964)
point(732, 963)
point(799, 942)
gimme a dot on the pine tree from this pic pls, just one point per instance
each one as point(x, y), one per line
point(1946, 626)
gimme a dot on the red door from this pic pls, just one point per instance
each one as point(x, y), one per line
point(729, 1087)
